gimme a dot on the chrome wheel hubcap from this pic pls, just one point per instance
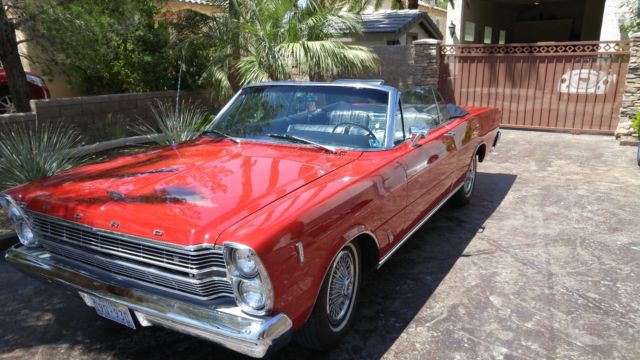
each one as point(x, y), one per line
point(471, 177)
point(341, 289)
point(6, 105)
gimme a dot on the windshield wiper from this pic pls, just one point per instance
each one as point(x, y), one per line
point(299, 139)
point(212, 131)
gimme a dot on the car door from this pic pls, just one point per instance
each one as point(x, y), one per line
point(460, 132)
point(428, 161)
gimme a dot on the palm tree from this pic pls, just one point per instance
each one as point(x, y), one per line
point(266, 40)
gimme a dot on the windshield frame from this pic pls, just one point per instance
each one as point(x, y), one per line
point(392, 98)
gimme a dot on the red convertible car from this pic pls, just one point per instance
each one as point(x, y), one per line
point(263, 226)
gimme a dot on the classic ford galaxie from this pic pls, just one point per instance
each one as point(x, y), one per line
point(264, 225)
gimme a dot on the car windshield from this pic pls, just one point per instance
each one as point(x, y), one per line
point(330, 116)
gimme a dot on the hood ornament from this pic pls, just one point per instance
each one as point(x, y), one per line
point(114, 195)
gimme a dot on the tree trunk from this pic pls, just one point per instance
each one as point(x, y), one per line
point(412, 4)
point(16, 77)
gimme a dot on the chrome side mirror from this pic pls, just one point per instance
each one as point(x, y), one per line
point(418, 133)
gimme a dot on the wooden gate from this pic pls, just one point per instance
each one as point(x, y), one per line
point(572, 86)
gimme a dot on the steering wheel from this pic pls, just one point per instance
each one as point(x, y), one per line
point(369, 132)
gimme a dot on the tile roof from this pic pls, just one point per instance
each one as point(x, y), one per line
point(397, 21)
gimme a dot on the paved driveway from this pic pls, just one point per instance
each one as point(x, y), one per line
point(544, 263)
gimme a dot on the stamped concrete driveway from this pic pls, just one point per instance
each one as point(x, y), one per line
point(544, 263)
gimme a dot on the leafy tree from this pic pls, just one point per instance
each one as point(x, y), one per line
point(104, 46)
point(275, 40)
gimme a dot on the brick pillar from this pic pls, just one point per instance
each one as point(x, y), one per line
point(631, 96)
point(426, 62)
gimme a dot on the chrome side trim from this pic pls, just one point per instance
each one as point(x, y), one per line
point(418, 226)
point(223, 324)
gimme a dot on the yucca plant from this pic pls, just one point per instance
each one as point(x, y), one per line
point(29, 152)
point(173, 125)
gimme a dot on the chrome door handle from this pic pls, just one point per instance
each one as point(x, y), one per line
point(450, 133)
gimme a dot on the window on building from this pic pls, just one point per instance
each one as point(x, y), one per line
point(393, 42)
point(503, 37)
point(488, 34)
point(411, 37)
point(469, 31)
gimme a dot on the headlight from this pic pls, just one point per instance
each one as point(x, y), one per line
point(35, 80)
point(251, 285)
point(251, 292)
point(20, 222)
point(245, 261)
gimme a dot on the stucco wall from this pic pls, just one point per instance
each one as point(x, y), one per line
point(438, 15)
point(613, 16)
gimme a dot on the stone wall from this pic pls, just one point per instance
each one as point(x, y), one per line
point(406, 66)
point(103, 117)
point(631, 97)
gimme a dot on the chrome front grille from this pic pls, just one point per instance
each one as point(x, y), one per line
point(194, 271)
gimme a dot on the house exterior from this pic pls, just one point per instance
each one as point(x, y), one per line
point(395, 27)
point(528, 21)
point(437, 14)
point(202, 6)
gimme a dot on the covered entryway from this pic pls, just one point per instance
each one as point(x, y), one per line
point(568, 86)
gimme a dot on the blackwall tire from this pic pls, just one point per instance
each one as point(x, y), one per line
point(335, 307)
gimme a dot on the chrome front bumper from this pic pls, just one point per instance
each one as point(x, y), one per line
point(224, 325)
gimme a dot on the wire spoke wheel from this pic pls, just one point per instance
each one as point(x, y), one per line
point(471, 177)
point(6, 105)
point(342, 283)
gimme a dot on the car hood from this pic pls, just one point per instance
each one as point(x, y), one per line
point(185, 195)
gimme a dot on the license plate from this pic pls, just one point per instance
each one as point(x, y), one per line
point(114, 312)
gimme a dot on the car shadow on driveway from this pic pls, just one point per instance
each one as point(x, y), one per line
point(36, 316)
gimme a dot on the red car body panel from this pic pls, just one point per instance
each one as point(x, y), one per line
point(37, 92)
point(194, 191)
point(270, 197)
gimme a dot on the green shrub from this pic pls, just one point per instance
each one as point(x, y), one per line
point(635, 123)
point(33, 152)
point(173, 126)
point(103, 46)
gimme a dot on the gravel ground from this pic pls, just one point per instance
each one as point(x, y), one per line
point(543, 264)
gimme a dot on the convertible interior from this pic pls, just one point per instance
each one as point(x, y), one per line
point(355, 118)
